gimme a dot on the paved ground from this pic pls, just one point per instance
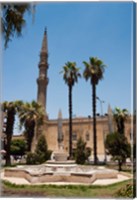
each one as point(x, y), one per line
point(110, 181)
point(120, 178)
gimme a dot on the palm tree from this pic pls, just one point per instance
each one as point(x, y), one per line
point(120, 116)
point(70, 76)
point(94, 72)
point(10, 109)
point(31, 116)
point(13, 19)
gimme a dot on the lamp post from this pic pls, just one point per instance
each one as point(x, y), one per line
point(101, 107)
point(101, 102)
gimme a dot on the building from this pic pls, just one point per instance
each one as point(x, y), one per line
point(57, 131)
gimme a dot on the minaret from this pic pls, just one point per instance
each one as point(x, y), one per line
point(42, 80)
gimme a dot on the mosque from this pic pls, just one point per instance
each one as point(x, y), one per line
point(57, 131)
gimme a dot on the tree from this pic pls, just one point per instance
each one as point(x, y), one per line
point(82, 153)
point(120, 116)
point(42, 149)
point(31, 116)
point(13, 19)
point(18, 147)
point(10, 109)
point(94, 72)
point(70, 76)
point(118, 146)
point(41, 153)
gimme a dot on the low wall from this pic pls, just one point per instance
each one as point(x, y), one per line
point(60, 177)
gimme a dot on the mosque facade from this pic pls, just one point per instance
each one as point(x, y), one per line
point(57, 131)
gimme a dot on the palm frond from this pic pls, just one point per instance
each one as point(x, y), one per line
point(94, 70)
point(70, 73)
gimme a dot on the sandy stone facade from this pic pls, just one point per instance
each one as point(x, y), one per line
point(82, 127)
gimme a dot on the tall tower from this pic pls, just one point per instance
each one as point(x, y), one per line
point(42, 80)
point(60, 133)
point(110, 120)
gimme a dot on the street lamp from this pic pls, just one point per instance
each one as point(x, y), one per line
point(101, 106)
point(101, 102)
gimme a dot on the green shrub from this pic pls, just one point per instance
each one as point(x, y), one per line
point(126, 191)
point(41, 154)
point(82, 153)
point(31, 158)
point(118, 147)
point(18, 147)
point(42, 151)
point(49, 152)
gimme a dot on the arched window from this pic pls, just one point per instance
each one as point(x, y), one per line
point(87, 136)
point(74, 136)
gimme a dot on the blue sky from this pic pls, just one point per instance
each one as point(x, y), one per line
point(76, 31)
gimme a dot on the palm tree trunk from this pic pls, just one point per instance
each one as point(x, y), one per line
point(9, 133)
point(8, 160)
point(94, 123)
point(29, 144)
point(70, 121)
point(119, 165)
point(30, 135)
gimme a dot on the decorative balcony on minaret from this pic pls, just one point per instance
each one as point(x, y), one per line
point(42, 80)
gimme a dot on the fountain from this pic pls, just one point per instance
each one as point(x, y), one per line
point(60, 172)
point(60, 169)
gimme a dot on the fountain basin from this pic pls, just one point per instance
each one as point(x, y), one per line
point(60, 156)
point(72, 173)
